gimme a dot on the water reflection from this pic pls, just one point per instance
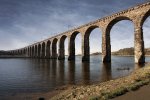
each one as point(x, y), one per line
point(36, 75)
point(61, 71)
point(71, 72)
point(106, 72)
point(86, 73)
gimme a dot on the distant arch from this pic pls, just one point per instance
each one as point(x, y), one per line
point(30, 51)
point(36, 49)
point(43, 50)
point(39, 50)
point(33, 52)
point(48, 49)
point(61, 47)
point(54, 48)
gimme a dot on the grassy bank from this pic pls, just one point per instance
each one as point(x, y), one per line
point(109, 89)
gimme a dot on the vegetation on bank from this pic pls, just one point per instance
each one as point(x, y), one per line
point(109, 89)
point(121, 90)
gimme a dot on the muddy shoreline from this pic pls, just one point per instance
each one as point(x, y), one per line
point(100, 90)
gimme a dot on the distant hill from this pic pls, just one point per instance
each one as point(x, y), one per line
point(96, 53)
point(129, 51)
point(124, 51)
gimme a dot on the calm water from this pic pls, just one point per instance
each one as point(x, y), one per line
point(38, 75)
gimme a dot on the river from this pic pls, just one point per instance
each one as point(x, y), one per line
point(25, 75)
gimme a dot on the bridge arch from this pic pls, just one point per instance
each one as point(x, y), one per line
point(146, 15)
point(145, 27)
point(39, 50)
point(71, 46)
point(43, 50)
point(30, 51)
point(48, 50)
point(62, 47)
point(33, 52)
point(86, 42)
point(106, 45)
point(54, 48)
point(114, 21)
point(36, 49)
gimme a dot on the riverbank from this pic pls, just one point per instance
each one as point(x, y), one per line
point(109, 89)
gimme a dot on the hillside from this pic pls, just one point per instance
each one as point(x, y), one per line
point(125, 51)
point(129, 51)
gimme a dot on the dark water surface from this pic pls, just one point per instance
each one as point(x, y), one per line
point(38, 75)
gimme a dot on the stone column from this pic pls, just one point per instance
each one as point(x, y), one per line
point(85, 48)
point(106, 47)
point(71, 49)
point(61, 53)
point(138, 43)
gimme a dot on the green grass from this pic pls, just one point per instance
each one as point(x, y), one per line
point(123, 90)
point(115, 93)
point(137, 85)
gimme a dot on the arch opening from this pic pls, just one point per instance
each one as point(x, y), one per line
point(62, 47)
point(54, 49)
point(48, 49)
point(39, 50)
point(36, 51)
point(74, 47)
point(92, 36)
point(121, 32)
point(33, 53)
point(146, 35)
point(43, 50)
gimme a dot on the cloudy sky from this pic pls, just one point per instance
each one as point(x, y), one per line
point(23, 22)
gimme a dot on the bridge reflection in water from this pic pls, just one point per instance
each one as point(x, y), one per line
point(62, 72)
point(36, 75)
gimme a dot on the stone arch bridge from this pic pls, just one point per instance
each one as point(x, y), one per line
point(48, 47)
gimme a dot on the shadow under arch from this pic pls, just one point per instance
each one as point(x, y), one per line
point(71, 46)
point(86, 47)
point(36, 51)
point(54, 48)
point(33, 51)
point(39, 50)
point(43, 50)
point(62, 47)
point(48, 43)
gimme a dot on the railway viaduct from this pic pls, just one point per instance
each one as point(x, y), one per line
point(48, 47)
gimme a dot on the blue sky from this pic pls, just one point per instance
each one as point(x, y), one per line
point(23, 22)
